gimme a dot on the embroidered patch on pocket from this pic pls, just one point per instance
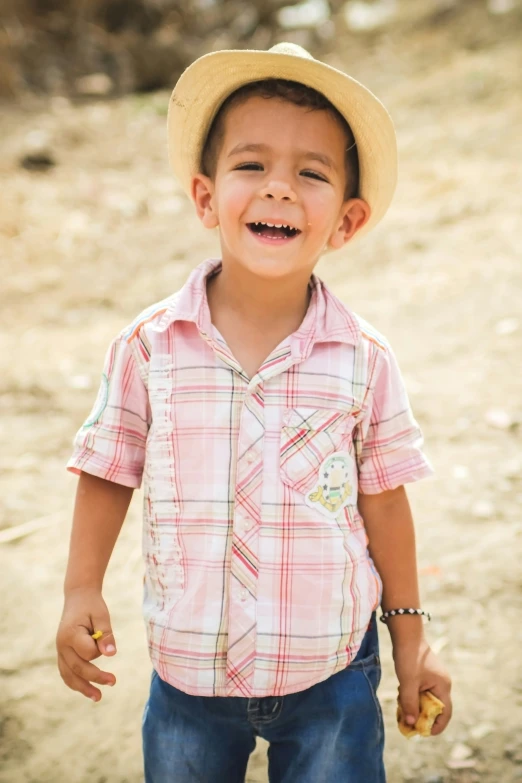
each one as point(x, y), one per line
point(336, 485)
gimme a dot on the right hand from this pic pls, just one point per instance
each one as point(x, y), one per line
point(84, 611)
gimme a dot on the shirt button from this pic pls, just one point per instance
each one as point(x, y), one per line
point(243, 594)
point(247, 524)
point(250, 457)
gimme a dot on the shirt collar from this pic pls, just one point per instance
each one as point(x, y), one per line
point(327, 318)
point(190, 303)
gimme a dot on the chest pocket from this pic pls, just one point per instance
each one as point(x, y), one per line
point(308, 437)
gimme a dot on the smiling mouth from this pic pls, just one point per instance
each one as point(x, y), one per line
point(273, 230)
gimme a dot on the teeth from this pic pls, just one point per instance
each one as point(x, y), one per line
point(273, 225)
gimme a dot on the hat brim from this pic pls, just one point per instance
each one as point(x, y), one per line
point(203, 87)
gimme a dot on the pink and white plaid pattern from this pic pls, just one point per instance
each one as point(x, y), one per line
point(249, 591)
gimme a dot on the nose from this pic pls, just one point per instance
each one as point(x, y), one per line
point(279, 191)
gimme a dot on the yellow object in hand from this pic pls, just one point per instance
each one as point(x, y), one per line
point(97, 635)
point(430, 709)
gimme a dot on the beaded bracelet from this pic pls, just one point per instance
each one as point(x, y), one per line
point(393, 612)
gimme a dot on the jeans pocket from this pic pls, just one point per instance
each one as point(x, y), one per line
point(369, 662)
point(372, 673)
point(153, 676)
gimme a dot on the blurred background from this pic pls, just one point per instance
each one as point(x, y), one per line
point(93, 228)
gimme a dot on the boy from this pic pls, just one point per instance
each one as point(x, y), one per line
point(274, 435)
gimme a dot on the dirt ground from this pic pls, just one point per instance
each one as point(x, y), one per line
point(88, 244)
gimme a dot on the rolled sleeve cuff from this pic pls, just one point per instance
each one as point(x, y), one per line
point(87, 461)
point(384, 474)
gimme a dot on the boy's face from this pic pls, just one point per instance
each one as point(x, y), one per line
point(279, 164)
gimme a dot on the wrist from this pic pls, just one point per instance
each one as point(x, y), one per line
point(71, 589)
point(406, 630)
point(87, 575)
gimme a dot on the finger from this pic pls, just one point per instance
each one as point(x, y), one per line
point(85, 670)
point(441, 722)
point(84, 645)
point(444, 718)
point(106, 643)
point(442, 692)
point(76, 683)
point(101, 624)
point(409, 701)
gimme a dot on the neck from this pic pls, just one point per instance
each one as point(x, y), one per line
point(259, 301)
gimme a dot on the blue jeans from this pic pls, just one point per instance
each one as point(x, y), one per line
point(330, 733)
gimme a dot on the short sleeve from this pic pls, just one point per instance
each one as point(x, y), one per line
point(388, 440)
point(111, 442)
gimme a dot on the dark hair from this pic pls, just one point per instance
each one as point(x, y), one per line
point(293, 92)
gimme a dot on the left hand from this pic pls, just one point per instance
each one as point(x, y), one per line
point(418, 669)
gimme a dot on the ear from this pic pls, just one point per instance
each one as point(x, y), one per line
point(355, 213)
point(202, 192)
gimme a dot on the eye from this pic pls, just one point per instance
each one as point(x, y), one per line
point(314, 175)
point(249, 167)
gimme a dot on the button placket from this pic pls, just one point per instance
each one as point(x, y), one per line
point(244, 563)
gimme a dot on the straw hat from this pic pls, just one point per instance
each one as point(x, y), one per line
point(205, 84)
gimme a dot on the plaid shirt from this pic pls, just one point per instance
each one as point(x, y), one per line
point(258, 580)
